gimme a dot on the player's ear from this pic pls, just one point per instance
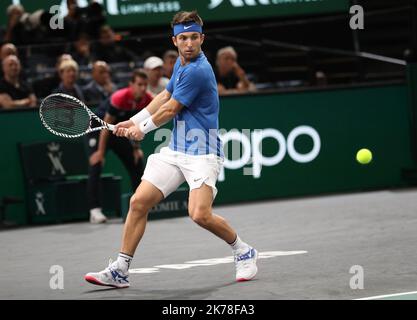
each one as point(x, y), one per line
point(203, 36)
point(174, 41)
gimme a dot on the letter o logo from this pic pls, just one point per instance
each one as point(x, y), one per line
point(294, 154)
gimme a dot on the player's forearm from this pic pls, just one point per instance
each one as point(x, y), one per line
point(151, 108)
point(164, 114)
point(158, 101)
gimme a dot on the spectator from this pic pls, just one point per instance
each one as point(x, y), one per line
point(14, 93)
point(26, 28)
point(231, 78)
point(100, 88)
point(7, 49)
point(320, 79)
point(82, 50)
point(45, 86)
point(94, 19)
point(107, 50)
point(15, 29)
point(156, 82)
point(68, 73)
point(72, 21)
point(122, 105)
point(170, 57)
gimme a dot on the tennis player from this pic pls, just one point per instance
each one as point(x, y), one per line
point(194, 155)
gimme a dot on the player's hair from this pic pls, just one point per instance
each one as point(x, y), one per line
point(186, 16)
point(138, 73)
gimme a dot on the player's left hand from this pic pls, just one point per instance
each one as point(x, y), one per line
point(134, 133)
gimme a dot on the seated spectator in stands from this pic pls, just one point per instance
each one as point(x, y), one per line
point(7, 49)
point(44, 87)
point(82, 50)
point(26, 28)
point(15, 29)
point(321, 79)
point(231, 78)
point(72, 21)
point(68, 72)
point(13, 92)
point(156, 82)
point(94, 18)
point(86, 20)
point(101, 87)
point(108, 50)
point(170, 57)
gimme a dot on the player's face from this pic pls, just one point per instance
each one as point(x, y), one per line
point(139, 87)
point(189, 44)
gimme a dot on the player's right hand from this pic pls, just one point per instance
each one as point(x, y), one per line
point(120, 129)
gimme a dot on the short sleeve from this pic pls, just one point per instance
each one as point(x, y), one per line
point(188, 87)
point(170, 85)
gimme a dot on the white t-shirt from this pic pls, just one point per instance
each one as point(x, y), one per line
point(160, 87)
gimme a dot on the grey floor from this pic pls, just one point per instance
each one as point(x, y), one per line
point(375, 230)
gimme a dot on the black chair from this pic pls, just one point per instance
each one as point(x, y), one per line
point(5, 201)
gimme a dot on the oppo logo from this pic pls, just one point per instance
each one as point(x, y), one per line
point(251, 143)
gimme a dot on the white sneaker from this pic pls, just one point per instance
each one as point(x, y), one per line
point(97, 216)
point(112, 276)
point(245, 262)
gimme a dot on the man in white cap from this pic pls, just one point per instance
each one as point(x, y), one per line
point(156, 82)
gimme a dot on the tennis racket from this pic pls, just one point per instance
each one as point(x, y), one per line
point(68, 117)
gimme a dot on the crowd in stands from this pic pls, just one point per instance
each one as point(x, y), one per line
point(93, 63)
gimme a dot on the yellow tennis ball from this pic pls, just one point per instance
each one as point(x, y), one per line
point(364, 156)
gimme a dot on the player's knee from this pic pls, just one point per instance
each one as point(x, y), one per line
point(201, 216)
point(138, 206)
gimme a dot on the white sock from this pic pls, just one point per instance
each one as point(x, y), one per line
point(238, 244)
point(123, 261)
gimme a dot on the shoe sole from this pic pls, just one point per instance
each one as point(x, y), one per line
point(248, 279)
point(93, 280)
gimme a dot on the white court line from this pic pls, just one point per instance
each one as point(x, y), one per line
point(388, 295)
point(211, 262)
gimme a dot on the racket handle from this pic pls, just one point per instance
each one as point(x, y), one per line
point(111, 127)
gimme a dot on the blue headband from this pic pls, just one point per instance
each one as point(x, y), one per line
point(187, 27)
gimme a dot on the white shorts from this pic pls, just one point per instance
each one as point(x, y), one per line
point(168, 169)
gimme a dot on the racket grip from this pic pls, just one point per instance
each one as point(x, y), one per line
point(111, 127)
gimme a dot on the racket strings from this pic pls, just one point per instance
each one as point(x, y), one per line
point(65, 116)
